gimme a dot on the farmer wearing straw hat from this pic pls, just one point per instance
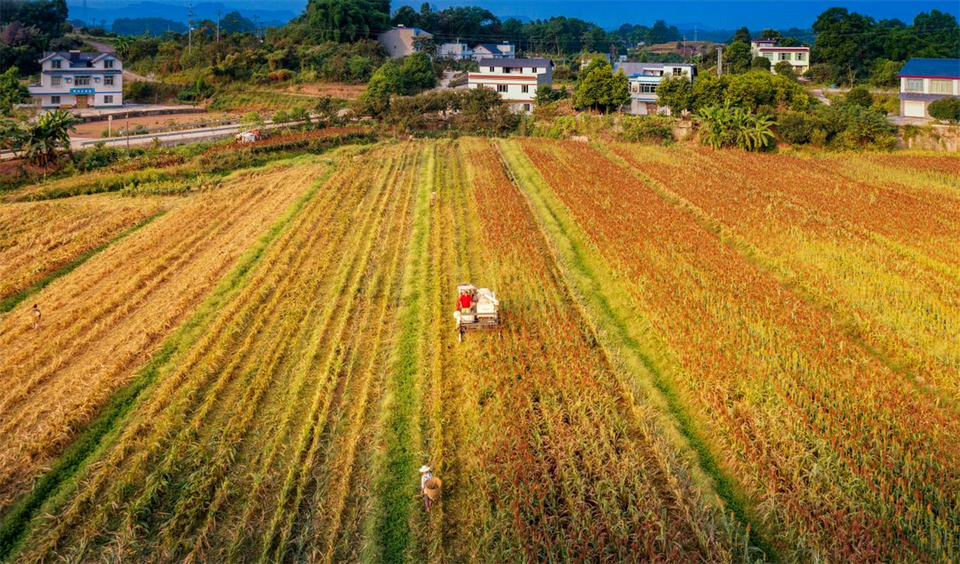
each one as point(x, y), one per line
point(429, 486)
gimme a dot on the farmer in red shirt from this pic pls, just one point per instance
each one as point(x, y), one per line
point(465, 301)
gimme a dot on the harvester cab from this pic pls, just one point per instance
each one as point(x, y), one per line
point(483, 313)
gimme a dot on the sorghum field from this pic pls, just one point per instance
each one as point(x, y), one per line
point(705, 357)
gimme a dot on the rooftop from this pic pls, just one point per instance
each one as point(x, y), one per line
point(937, 68)
point(515, 63)
point(77, 59)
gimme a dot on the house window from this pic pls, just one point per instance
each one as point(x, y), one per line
point(55, 81)
point(769, 56)
point(55, 100)
point(108, 99)
point(801, 56)
point(491, 69)
point(502, 88)
point(82, 81)
point(941, 87)
point(55, 64)
point(526, 107)
point(677, 71)
point(648, 88)
point(784, 56)
point(108, 81)
point(914, 85)
point(525, 89)
point(108, 64)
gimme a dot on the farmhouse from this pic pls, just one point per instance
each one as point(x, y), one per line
point(923, 81)
point(493, 51)
point(79, 80)
point(517, 80)
point(799, 57)
point(402, 41)
point(457, 51)
point(644, 79)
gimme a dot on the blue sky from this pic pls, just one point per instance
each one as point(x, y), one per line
point(708, 14)
point(712, 14)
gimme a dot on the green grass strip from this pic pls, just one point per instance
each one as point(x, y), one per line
point(13, 300)
point(610, 303)
point(396, 482)
point(92, 440)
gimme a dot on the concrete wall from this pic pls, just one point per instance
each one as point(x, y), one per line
point(931, 137)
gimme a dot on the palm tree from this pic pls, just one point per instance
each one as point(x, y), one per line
point(45, 138)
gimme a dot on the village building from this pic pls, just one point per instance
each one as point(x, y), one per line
point(923, 81)
point(71, 79)
point(494, 51)
point(517, 80)
point(798, 57)
point(458, 51)
point(644, 79)
point(402, 41)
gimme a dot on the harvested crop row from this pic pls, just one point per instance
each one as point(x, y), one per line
point(219, 461)
point(37, 238)
point(901, 308)
point(920, 226)
point(106, 318)
point(569, 466)
point(841, 458)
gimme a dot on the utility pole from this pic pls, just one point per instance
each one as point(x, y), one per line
point(190, 28)
point(256, 26)
point(719, 60)
point(218, 26)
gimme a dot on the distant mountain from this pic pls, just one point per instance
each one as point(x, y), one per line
point(177, 12)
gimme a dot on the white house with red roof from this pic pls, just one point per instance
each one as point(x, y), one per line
point(799, 57)
point(517, 80)
point(79, 80)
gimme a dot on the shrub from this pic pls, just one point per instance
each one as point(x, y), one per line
point(945, 109)
point(798, 128)
point(647, 128)
point(859, 96)
point(736, 127)
point(785, 69)
point(761, 63)
point(821, 73)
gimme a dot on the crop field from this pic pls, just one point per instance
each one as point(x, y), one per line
point(704, 357)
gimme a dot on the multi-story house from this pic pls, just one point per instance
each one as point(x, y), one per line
point(457, 51)
point(923, 81)
point(644, 79)
point(79, 80)
point(799, 57)
point(517, 80)
point(402, 41)
point(494, 51)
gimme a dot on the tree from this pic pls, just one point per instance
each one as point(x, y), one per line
point(742, 35)
point(859, 96)
point(234, 22)
point(45, 139)
point(347, 20)
point(417, 73)
point(385, 82)
point(11, 91)
point(122, 45)
point(726, 127)
point(600, 89)
point(547, 94)
point(737, 57)
point(845, 41)
point(945, 109)
point(761, 63)
point(885, 73)
point(768, 33)
point(784, 68)
point(676, 94)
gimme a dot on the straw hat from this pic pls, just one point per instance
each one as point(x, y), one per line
point(424, 468)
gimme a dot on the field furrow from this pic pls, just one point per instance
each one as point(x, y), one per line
point(809, 421)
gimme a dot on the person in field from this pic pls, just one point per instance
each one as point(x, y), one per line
point(35, 314)
point(464, 301)
point(429, 486)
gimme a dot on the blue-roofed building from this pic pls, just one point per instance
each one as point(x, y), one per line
point(402, 41)
point(503, 50)
point(644, 79)
point(923, 81)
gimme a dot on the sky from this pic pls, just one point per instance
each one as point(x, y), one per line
point(707, 14)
